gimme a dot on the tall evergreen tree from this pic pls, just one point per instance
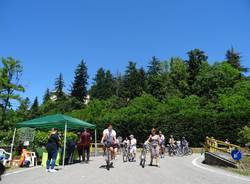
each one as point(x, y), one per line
point(155, 84)
point(34, 110)
point(104, 85)
point(196, 58)
point(131, 82)
point(179, 74)
point(98, 88)
point(79, 86)
point(109, 85)
point(46, 96)
point(10, 74)
point(59, 85)
point(118, 84)
point(155, 66)
point(23, 109)
point(234, 59)
point(143, 79)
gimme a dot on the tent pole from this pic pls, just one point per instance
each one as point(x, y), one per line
point(12, 144)
point(95, 143)
point(64, 146)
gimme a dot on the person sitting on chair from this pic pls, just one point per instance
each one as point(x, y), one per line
point(25, 158)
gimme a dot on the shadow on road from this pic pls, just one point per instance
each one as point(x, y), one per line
point(105, 167)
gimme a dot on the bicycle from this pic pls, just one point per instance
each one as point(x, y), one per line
point(143, 155)
point(108, 156)
point(131, 156)
point(162, 150)
point(187, 151)
point(171, 150)
point(125, 152)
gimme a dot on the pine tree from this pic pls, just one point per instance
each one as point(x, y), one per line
point(46, 96)
point(109, 85)
point(234, 59)
point(34, 110)
point(79, 86)
point(59, 85)
point(98, 87)
point(10, 86)
point(118, 84)
point(155, 67)
point(131, 82)
point(104, 85)
point(154, 78)
point(196, 58)
point(143, 79)
point(23, 109)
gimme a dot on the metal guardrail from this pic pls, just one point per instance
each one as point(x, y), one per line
point(212, 145)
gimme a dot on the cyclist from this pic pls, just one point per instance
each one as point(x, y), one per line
point(172, 145)
point(171, 140)
point(162, 144)
point(184, 144)
point(126, 141)
point(154, 141)
point(132, 145)
point(109, 140)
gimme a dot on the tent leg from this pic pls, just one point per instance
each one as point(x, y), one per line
point(64, 146)
point(95, 143)
point(12, 144)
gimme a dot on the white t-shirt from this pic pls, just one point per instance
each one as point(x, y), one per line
point(133, 142)
point(106, 132)
point(162, 137)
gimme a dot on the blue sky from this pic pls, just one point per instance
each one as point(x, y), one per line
point(52, 36)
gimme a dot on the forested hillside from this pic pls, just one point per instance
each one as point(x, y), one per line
point(192, 98)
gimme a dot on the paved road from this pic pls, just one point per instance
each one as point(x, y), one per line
point(183, 170)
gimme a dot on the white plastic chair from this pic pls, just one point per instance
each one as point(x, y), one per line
point(7, 157)
point(33, 159)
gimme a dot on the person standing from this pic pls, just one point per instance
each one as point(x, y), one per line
point(71, 146)
point(2, 169)
point(162, 144)
point(52, 148)
point(79, 146)
point(154, 140)
point(85, 141)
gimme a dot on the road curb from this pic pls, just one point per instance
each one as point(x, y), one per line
point(198, 164)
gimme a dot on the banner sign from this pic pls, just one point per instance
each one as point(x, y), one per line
point(27, 134)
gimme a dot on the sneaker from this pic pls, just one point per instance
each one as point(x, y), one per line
point(47, 170)
point(52, 170)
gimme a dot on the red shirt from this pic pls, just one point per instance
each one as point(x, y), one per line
point(85, 138)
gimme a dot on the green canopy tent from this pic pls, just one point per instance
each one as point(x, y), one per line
point(59, 121)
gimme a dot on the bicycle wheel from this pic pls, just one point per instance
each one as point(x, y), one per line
point(125, 157)
point(190, 151)
point(108, 160)
point(143, 163)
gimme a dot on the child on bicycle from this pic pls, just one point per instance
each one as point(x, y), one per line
point(132, 145)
